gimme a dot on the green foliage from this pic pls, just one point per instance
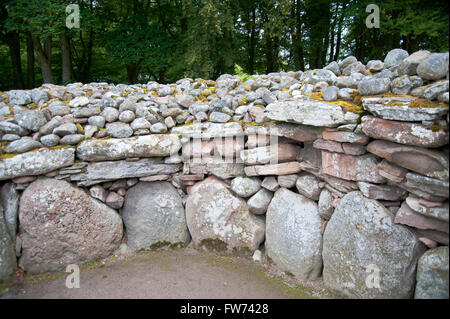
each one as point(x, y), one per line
point(165, 40)
point(240, 73)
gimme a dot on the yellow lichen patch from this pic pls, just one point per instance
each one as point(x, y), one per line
point(242, 101)
point(200, 98)
point(6, 156)
point(349, 107)
point(316, 96)
point(424, 103)
point(79, 128)
point(284, 89)
point(155, 94)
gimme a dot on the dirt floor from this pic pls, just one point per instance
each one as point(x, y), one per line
point(182, 273)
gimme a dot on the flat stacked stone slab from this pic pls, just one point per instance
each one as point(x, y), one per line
point(426, 162)
point(156, 145)
point(36, 162)
point(398, 108)
point(113, 170)
point(209, 130)
point(296, 132)
point(270, 154)
point(403, 132)
point(307, 111)
point(273, 169)
point(354, 168)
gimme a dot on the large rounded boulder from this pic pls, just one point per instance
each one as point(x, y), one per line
point(293, 234)
point(216, 216)
point(153, 215)
point(366, 255)
point(60, 224)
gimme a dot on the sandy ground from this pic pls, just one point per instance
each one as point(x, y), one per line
point(182, 273)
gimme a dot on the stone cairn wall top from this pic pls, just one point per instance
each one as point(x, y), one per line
point(362, 148)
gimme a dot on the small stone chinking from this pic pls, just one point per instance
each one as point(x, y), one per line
point(355, 192)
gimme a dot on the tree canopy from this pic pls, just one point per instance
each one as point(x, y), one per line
point(164, 40)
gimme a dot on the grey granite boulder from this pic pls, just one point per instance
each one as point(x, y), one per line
point(432, 274)
point(366, 255)
point(61, 224)
point(293, 234)
point(215, 216)
point(153, 215)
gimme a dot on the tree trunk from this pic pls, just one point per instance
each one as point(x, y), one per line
point(30, 62)
point(132, 73)
point(66, 58)
point(14, 50)
point(339, 32)
point(251, 62)
point(43, 59)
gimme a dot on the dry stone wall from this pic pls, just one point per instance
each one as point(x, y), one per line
point(339, 173)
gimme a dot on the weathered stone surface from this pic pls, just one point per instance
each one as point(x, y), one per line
point(214, 213)
point(7, 254)
point(98, 192)
point(434, 186)
point(141, 146)
point(399, 108)
point(383, 192)
point(391, 171)
point(154, 214)
point(9, 200)
point(345, 137)
point(325, 204)
point(299, 133)
point(293, 234)
point(361, 238)
point(432, 275)
point(19, 97)
point(270, 154)
point(71, 139)
point(119, 130)
point(22, 145)
point(274, 169)
point(114, 200)
point(406, 216)
point(439, 212)
point(403, 132)
point(112, 170)
point(395, 57)
point(354, 168)
point(434, 67)
point(30, 119)
point(434, 90)
point(258, 203)
point(409, 65)
point(287, 181)
point(209, 130)
point(308, 185)
point(36, 163)
point(12, 128)
point(245, 186)
point(427, 162)
point(220, 169)
point(60, 225)
point(373, 86)
point(270, 183)
point(309, 112)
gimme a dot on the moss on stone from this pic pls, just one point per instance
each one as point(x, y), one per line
point(214, 244)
